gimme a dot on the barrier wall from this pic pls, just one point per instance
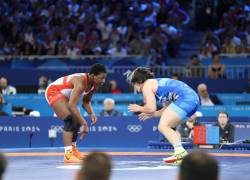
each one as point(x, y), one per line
point(219, 85)
point(232, 110)
point(29, 77)
point(225, 59)
point(108, 132)
point(41, 62)
point(38, 102)
point(233, 98)
point(229, 61)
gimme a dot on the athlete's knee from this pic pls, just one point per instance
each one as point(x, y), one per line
point(163, 126)
point(160, 127)
point(71, 124)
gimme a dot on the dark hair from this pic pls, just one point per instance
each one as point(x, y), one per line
point(215, 53)
point(97, 68)
point(223, 112)
point(96, 166)
point(139, 75)
point(175, 75)
point(194, 56)
point(3, 164)
point(197, 166)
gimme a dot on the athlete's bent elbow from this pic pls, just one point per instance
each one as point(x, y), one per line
point(72, 108)
point(151, 110)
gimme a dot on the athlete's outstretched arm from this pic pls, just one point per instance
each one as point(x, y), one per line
point(78, 88)
point(86, 104)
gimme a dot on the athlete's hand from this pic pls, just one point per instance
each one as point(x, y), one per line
point(93, 119)
point(144, 116)
point(83, 131)
point(134, 108)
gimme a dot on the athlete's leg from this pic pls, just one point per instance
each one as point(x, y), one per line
point(170, 119)
point(75, 134)
point(69, 136)
point(74, 138)
point(60, 107)
point(74, 148)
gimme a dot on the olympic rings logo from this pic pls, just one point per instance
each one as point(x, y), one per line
point(134, 128)
point(58, 128)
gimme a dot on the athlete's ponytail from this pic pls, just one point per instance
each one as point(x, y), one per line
point(139, 75)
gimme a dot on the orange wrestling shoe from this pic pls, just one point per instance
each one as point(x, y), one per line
point(69, 157)
point(76, 153)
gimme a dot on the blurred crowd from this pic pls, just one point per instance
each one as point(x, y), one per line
point(93, 27)
point(119, 27)
point(232, 36)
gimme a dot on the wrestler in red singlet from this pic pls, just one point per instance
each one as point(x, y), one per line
point(63, 96)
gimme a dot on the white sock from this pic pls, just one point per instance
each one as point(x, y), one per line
point(74, 144)
point(67, 148)
point(178, 147)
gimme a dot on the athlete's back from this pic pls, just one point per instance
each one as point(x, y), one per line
point(171, 90)
point(63, 86)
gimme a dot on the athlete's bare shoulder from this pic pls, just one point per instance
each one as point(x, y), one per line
point(77, 81)
point(151, 84)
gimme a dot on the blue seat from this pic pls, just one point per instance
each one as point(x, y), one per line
point(7, 108)
point(236, 73)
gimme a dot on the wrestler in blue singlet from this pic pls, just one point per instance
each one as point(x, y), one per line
point(182, 98)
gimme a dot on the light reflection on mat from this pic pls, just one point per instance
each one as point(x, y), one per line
point(129, 166)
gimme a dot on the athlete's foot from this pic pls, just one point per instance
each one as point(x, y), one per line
point(76, 153)
point(176, 159)
point(69, 157)
point(175, 163)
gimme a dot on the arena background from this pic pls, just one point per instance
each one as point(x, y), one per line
point(41, 41)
